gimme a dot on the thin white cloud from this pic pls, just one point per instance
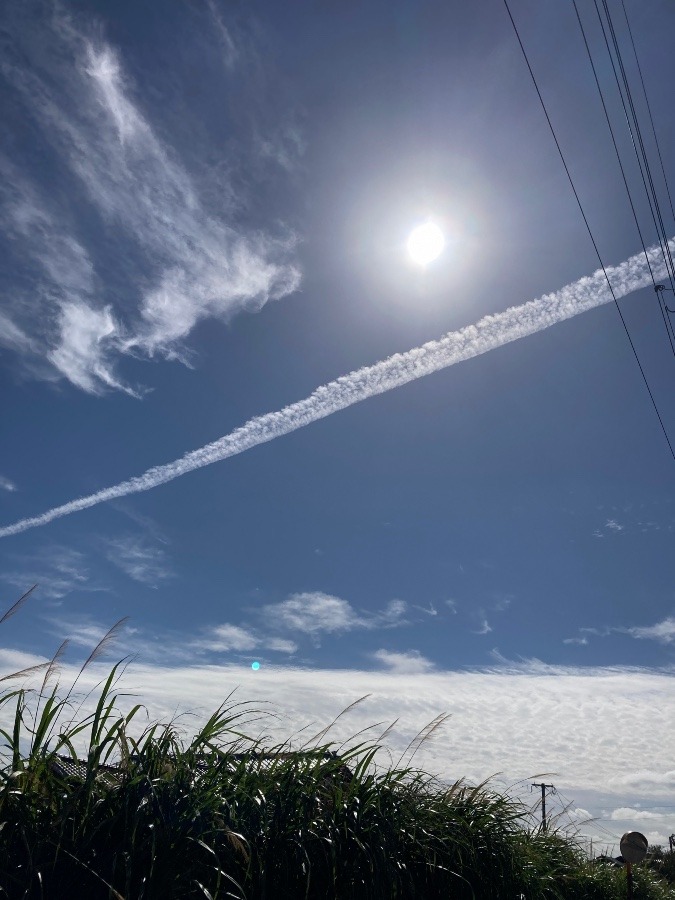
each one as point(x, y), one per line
point(227, 42)
point(402, 368)
point(226, 637)
point(631, 523)
point(578, 814)
point(391, 616)
point(148, 525)
point(635, 815)
point(86, 632)
point(315, 612)
point(6, 484)
point(229, 637)
point(279, 645)
point(196, 264)
point(663, 631)
point(430, 610)
point(67, 329)
point(501, 602)
point(32, 225)
point(603, 631)
point(484, 626)
point(169, 647)
point(82, 351)
point(406, 662)
point(57, 570)
point(139, 559)
point(12, 336)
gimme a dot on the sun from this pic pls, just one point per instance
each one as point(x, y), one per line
point(425, 243)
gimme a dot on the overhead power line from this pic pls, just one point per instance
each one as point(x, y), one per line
point(649, 109)
point(588, 227)
point(622, 169)
point(633, 122)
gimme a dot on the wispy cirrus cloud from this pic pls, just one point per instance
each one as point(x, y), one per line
point(663, 632)
point(430, 610)
point(611, 526)
point(484, 626)
point(196, 263)
point(400, 369)
point(12, 336)
point(138, 558)
point(56, 569)
point(499, 603)
point(632, 519)
point(228, 44)
point(6, 484)
point(204, 646)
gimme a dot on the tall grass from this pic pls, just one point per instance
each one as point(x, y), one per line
point(154, 813)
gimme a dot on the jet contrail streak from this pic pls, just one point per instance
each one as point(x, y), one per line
point(401, 368)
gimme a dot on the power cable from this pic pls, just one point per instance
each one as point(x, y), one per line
point(616, 148)
point(670, 328)
point(588, 228)
point(638, 132)
point(649, 109)
point(642, 160)
point(623, 172)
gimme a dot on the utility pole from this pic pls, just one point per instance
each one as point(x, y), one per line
point(544, 787)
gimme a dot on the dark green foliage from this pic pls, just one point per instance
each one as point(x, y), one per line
point(662, 862)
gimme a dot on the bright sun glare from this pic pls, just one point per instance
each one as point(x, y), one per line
point(425, 243)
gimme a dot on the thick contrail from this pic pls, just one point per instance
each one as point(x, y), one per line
point(488, 333)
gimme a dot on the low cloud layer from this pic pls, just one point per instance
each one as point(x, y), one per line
point(602, 736)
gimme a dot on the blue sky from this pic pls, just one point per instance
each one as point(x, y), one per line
point(205, 210)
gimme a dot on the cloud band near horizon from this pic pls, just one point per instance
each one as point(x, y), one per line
point(487, 334)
